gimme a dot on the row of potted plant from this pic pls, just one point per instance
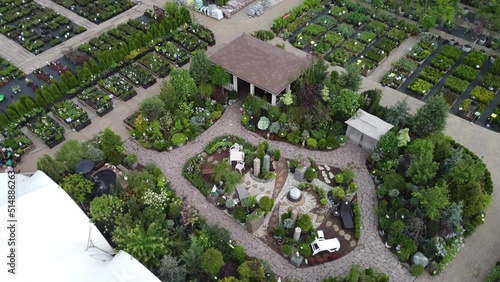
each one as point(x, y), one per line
point(174, 53)
point(97, 100)
point(203, 33)
point(399, 73)
point(8, 72)
point(156, 63)
point(14, 138)
point(72, 114)
point(189, 41)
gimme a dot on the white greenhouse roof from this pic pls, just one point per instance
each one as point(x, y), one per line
point(53, 235)
point(369, 124)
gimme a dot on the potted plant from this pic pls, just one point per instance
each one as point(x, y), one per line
point(131, 161)
point(381, 191)
point(286, 250)
point(279, 232)
point(337, 193)
point(292, 164)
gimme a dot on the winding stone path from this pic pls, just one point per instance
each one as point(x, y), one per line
point(370, 250)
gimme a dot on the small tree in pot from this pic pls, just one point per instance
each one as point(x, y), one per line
point(131, 161)
point(337, 193)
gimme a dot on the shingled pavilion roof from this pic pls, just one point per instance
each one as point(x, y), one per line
point(264, 65)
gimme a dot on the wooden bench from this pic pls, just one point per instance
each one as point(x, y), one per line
point(207, 171)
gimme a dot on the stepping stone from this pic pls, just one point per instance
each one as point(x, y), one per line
point(341, 232)
point(215, 162)
point(261, 189)
point(347, 237)
point(268, 192)
point(327, 181)
point(328, 223)
point(331, 175)
point(248, 183)
point(324, 174)
point(335, 227)
point(352, 243)
point(210, 159)
point(327, 167)
point(320, 218)
point(321, 168)
point(255, 186)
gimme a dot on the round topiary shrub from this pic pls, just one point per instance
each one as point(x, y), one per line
point(311, 173)
point(178, 139)
point(305, 250)
point(239, 253)
point(396, 227)
point(266, 204)
point(212, 261)
point(339, 178)
point(286, 250)
point(305, 223)
point(417, 269)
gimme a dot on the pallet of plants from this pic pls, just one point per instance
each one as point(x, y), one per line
point(468, 109)
point(430, 74)
point(339, 12)
point(482, 95)
point(366, 65)
point(494, 119)
point(172, 52)
point(47, 129)
point(13, 137)
point(97, 100)
point(313, 30)
point(156, 63)
point(321, 48)
point(302, 40)
point(367, 37)
point(456, 85)
point(203, 33)
point(119, 87)
point(449, 96)
point(326, 21)
point(357, 18)
point(137, 75)
point(71, 114)
point(8, 72)
point(422, 217)
point(451, 52)
point(376, 55)
point(376, 27)
point(346, 30)
point(491, 81)
point(420, 88)
point(442, 63)
point(465, 72)
point(354, 46)
point(340, 57)
point(386, 45)
point(332, 38)
point(99, 11)
point(396, 35)
point(189, 41)
point(475, 58)
point(399, 73)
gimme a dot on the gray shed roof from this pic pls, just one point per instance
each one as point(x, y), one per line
point(260, 63)
point(369, 124)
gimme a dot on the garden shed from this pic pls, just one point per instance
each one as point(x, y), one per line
point(56, 240)
point(261, 64)
point(365, 129)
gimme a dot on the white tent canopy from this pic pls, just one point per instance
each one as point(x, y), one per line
point(365, 129)
point(53, 238)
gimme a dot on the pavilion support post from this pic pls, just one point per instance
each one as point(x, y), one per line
point(252, 89)
point(235, 83)
point(288, 88)
point(273, 100)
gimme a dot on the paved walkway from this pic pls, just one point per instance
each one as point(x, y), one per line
point(379, 72)
point(481, 250)
point(370, 250)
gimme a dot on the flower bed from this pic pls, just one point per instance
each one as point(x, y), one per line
point(465, 72)
point(58, 67)
point(156, 63)
point(376, 55)
point(71, 114)
point(203, 33)
point(326, 22)
point(482, 95)
point(451, 52)
point(377, 27)
point(14, 138)
point(442, 62)
point(33, 26)
point(475, 58)
point(47, 129)
point(138, 75)
point(420, 87)
point(354, 46)
point(8, 72)
point(340, 57)
point(96, 11)
point(173, 53)
point(430, 74)
point(189, 41)
point(119, 87)
point(97, 100)
point(386, 44)
point(367, 37)
point(40, 74)
point(491, 81)
point(456, 85)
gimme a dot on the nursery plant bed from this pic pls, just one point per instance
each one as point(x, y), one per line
point(96, 11)
point(449, 96)
point(173, 53)
point(138, 76)
point(71, 114)
point(8, 72)
point(16, 139)
point(156, 63)
point(97, 100)
point(189, 41)
point(203, 33)
point(119, 87)
point(47, 129)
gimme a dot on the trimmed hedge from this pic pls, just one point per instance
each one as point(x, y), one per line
point(357, 220)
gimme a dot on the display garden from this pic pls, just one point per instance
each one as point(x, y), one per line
point(33, 26)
